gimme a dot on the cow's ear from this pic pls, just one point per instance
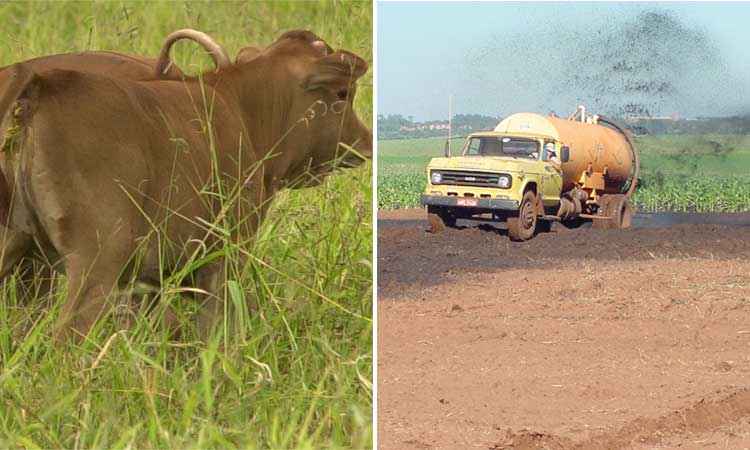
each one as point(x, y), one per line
point(337, 69)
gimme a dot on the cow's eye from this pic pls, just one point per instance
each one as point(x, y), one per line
point(342, 94)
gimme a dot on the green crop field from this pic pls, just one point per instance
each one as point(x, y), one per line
point(296, 370)
point(682, 173)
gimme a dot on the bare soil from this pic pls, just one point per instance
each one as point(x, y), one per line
point(576, 339)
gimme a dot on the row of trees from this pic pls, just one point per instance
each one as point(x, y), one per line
point(396, 126)
point(706, 125)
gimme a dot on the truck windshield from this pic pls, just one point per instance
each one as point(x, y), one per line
point(502, 146)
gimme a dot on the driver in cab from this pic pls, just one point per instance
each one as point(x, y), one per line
point(550, 154)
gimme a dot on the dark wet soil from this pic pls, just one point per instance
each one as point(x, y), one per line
point(408, 255)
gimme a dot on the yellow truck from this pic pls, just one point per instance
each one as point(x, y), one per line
point(532, 170)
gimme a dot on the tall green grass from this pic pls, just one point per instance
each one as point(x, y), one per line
point(685, 173)
point(295, 370)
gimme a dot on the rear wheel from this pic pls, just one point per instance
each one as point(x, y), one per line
point(439, 218)
point(621, 212)
point(618, 209)
point(522, 228)
point(604, 204)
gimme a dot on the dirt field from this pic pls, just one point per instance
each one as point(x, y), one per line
point(577, 339)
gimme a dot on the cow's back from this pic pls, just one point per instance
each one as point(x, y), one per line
point(107, 63)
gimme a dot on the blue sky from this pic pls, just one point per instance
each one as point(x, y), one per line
point(499, 58)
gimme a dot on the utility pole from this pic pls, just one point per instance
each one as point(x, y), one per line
point(450, 120)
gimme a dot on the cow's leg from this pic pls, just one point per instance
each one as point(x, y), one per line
point(14, 245)
point(91, 280)
point(94, 264)
point(96, 247)
point(36, 277)
point(211, 278)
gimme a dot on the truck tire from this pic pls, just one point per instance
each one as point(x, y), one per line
point(604, 210)
point(617, 208)
point(621, 212)
point(439, 218)
point(523, 227)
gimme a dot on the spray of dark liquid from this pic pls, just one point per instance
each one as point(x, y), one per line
point(648, 63)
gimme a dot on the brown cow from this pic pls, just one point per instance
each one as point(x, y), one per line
point(99, 164)
point(106, 63)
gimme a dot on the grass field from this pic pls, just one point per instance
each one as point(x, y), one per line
point(293, 373)
point(697, 173)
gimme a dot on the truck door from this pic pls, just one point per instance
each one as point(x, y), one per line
point(551, 179)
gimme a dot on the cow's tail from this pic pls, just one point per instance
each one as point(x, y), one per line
point(14, 109)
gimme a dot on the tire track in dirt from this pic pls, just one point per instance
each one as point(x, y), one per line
point(705, 415)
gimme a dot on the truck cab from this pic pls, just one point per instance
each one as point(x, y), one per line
point(494, 175)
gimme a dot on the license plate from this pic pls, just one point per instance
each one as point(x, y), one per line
point(467, 202)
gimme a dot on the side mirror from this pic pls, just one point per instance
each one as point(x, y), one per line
point(564, 154)
point(447, 149)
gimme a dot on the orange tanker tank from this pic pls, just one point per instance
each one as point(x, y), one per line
point(599, 157)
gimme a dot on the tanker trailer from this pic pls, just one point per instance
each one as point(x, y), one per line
point(532, 170)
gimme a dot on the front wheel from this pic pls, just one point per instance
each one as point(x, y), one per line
point(522, 228)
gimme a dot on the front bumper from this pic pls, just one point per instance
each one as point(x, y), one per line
point(452, 201)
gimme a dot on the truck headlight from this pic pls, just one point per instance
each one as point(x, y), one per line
point(436, 177)
point(503, 181)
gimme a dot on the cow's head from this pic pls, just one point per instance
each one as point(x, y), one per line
point(313, 88)
point(297, 95)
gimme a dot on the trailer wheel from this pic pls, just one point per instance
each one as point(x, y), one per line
point(439, 218)
point(621, 212)
point(605, 202)
point(617, 208)
point(522, 228)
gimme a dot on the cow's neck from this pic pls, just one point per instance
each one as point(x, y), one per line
point(265, 104)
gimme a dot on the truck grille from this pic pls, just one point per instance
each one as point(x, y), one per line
point(466, 178)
